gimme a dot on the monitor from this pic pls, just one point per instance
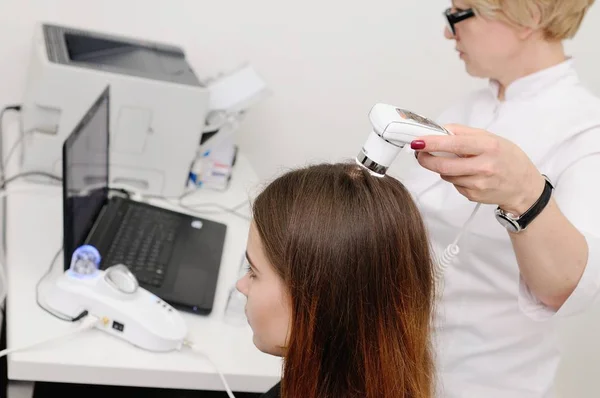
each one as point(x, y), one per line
point(85, 175)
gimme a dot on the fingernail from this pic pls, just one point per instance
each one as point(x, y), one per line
point(417, 144)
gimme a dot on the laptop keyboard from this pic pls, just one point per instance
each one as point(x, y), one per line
point(143, 242)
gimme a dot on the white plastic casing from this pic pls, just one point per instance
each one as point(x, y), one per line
point(393, 128)
point(402, 125)
point(126, 311)
point(379, 150)
point(155, 125)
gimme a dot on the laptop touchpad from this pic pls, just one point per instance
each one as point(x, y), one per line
point(191, 280)
point(198, 254)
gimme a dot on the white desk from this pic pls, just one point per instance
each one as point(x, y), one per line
point(34, 234)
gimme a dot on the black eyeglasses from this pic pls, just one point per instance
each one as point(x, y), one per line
point(455, 17)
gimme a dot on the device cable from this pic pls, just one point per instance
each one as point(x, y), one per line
point(31, 174)
point(192, 207)
point(121, 190)
point(452, 250)
point(16, 108)
point(197, 350)
point(39, 283)
point(48, 272)
point(87, 323)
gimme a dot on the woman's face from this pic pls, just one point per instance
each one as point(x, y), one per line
point(487, 47)
point(268, 306)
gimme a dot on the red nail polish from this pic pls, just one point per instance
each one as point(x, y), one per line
point(417, 144)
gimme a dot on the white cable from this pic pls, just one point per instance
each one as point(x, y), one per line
point(31, 189)
point(3, 283)
point(193, 347)
point(87, 323)
point(177, 201)
point(453, 249)
point(193, 207)
point(17, 143)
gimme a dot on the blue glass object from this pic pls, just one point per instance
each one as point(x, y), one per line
point(85, 261)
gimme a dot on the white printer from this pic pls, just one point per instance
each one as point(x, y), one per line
point(158, 107)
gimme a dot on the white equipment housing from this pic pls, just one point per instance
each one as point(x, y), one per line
point(125, 309)
point(158, 107)
point(393, 128)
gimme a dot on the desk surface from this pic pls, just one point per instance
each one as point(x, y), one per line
point(34, 234)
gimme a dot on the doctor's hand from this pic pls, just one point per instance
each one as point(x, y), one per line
point(489, 169)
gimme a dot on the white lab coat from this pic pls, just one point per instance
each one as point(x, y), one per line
point(493, 337)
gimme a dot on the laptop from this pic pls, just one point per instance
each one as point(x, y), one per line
point(173, 255)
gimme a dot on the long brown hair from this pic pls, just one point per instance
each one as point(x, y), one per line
point(353, 252)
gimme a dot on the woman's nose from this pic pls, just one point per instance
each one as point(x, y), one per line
point(242, 286)
point(448, 34)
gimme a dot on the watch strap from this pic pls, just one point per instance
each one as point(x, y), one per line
point(526, 218)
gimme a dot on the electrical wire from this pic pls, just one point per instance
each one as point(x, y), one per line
point(232, 210)
point(452, 250)
point(5, 193)
point(191, 207)
point(123, 190)
point(4, 183)
point(32, 174)
point(17, 108)
point(17, 143)
point(87, 323)
point(12, 151)
point(197, 350)
point(38, 300)
point(27, 189)
point(127, 191)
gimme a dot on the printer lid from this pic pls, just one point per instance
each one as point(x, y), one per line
point(117, 54)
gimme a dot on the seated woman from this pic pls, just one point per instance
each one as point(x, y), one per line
point(341, 285)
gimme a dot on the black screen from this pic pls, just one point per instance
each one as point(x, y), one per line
point(85, 175)
point(123, 55)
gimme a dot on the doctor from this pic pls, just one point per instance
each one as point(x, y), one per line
point(531, 255)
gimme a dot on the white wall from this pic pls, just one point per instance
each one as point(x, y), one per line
point(326, 62)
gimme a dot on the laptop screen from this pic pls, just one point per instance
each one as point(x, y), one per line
point(85, 175)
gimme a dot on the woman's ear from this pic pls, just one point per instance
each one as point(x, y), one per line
point(535, 14)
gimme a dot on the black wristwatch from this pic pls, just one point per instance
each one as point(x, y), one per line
point(517, 224)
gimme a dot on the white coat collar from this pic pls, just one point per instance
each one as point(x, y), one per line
point(536, 82)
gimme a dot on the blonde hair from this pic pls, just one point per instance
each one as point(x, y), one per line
point(557, 19)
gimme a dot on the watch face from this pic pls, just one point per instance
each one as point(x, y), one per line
point(510, 225)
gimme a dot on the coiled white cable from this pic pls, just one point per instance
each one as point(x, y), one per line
point(452, 250)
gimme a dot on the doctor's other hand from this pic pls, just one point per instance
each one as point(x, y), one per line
point(489, 169)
